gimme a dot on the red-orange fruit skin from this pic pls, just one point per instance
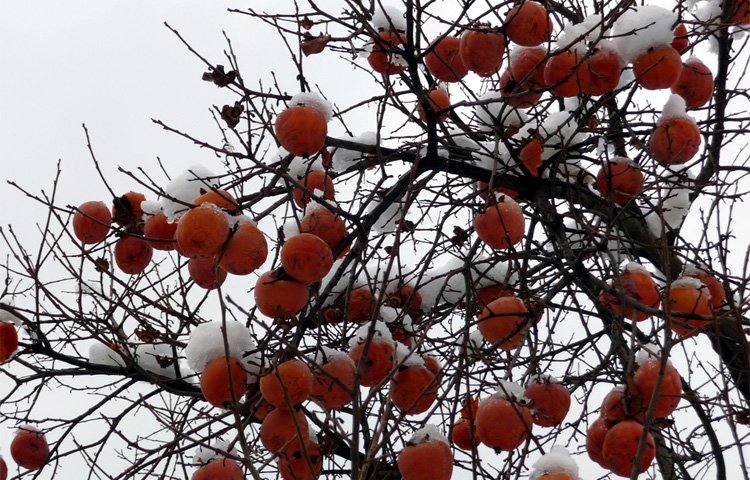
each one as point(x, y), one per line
point(91, 222)
point(695, 83)
point(501, 424)
point(326, 225)
point(683, 303)
point(245, 252)
point(605, 67)
point(206, 273)
point(201, 232)
point(126, 210)
point(741, 14)
point(551, 402)
point(595, 438)
point(381, 56)
point(680, 42)
point(315, 180)
point(289, 384)
point(293, 461)
point(280, 429)
point(462, 436)
point(378, 363)
point(3, 469)
point(619, 181)
point(361, 305)
point(278, 298)
point(528, 24)
point(504, 319)
point(430, 460)
point(439, 101)
point(670, 391)
point(675, 141)
point(658, 68)
point(621, 445)
point(132, 254)
point(531, 156)
point(333, 384)
point(412, 390)
point(501, 225)
point(29, 450)
point(514, 92)
point(160, 233)
point(301, 130)
point(220, 198)
point(216, 385)
point(8, 341)
point(640, 286)
point(444, 60)
point(715, 288)
point(557, 74)
point(219, 469)
point(482, 51)
point(306, 257)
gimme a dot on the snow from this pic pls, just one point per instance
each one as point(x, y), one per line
point(443, 283)
point(9, 317)
point(488, 271)
point(152, 207)
point(184, 188)
point(343, 158)
point(301, 166)
point(557, 460)
point(508, 390)
point(493, 111)
point(148, 356)
point(389, 314)
point(635, 267)
point(428, 433)
point(326, 355)
point(389, 17)
point(647, 352)
point(641, 28)
point(405, 357)
point(674, 108)
point(207, 343)
point(27, 427)
point(380, 333)
point(218, 449)
point(687, 282)
point(315, 101)
point(239, 220)
point(103, 355)
point(390, 220)
point(574, 36)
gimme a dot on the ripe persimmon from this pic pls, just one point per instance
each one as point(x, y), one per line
point(595, 438)
point(126, 209)
point(425, 458)
point(528, 24)
point(482, 49)
point(160, 233)
point(382, 57)
point(674, 141)
point(378, 363)
point(29, 448)
point(556, 476)
point(462, 434)
point(487, 294)
point(245, 252)
point(132, 254)
point(605, 67)
point(531, 156)
point(8, 341)
point(528, 64)
point(680, 42)
point(657, 68)
point(620, 404)
point(297, 463)
point(413, 389)
point(301, 130)
point(334, 382)
point(715, 288)
point(361, 305)
point(444, 60)
point(695, 83)
point(91, 222)
point(551, 402)
point(282, 427)
point(688, 298)
point(280, 298)
point(741, 14)
point(439, 101)
point(326, 225)
point(670, 390)
point(306, 257)
point(220, 198)
point(3, 469)
point(201, 232)
point(206, 272)
point(504, 320)
point(635, 282)
point(502, 424)
point(219, 469)
point(518, 94)
point(406, 297)
point(312, 181)
point(288, 384)
point(620, 447)
point(501, 225)
point(567, 74)
point(222, 380)
point(620, 180)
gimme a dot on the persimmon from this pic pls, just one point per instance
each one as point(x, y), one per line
point(620, 180)
point(8, 341)
point(413, 390)
point(695, 83)
point(91, 222)
point(567, 74)
point(680, 42)
point(426, 456)
point(132, 254)
point(222, 380)
point(688, 298)
point(462, 434)
point(670, 389)
point(556, 476)
point(502, 424)
point(312, 181)
point(741, 14)
point(439, 101)
point(306, 258)
point(657, 68)
point(620, 404)
point(482, 48)
point(296, 463)
point(220, 198)
point(126, 209)
point(406, 297)
point(501, 225)
point(334, 382)
point(528, 24)
point(605, 67)
point(382, 57)
point(517, 94)
point(620, 448)
point(551, 402)
point(528, 64)
point(282, 427)
point(488, 294)
point(531, 156)
point(206, 272)
point(288, 384)
point(278, 297)
point(715, 288)
point(635, 282)
point(595, 438)
point(444, 60)
point(674, 141)
point(219, 469)
point(29, 448)
point(326, 225)
point(503, 322)
point(160, 233)
point(3, 469)
point(245, 252)
point(301, 130)
point(361, 305)
point(378, 363)
point(201, 232)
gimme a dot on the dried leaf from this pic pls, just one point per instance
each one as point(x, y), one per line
point(147, 334)
point(306, 23)
point(459, 236)
point(313, 45)
point(101, 265)
point(232, 115)
point(219, 77)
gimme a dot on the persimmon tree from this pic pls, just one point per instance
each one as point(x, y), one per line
point(515, 254)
